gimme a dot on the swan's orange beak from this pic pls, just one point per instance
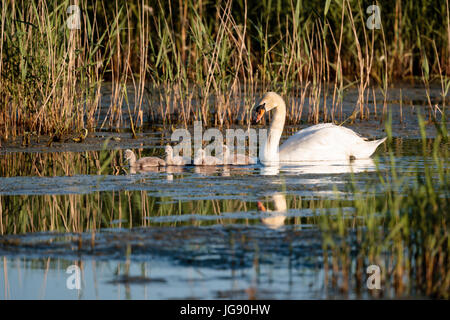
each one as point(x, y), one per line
point(260, 111)
point(261, 206)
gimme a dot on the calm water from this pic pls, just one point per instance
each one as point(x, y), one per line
point(222, 232)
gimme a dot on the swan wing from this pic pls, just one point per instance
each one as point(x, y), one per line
point(322, 142)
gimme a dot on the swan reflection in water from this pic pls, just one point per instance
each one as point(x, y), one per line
point(170, 170)
point(275, 219)
point(321, 167)
point(223, 171)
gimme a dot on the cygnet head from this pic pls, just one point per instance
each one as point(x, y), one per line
point(129, 154)
point(269, 101)
point(168, 149)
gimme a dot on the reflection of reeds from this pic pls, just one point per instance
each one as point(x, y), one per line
point(206, 61)
point(58, 164)
point(125, 209)
point(403, 228)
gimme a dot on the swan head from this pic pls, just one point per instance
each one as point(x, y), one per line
point(269, 101)
point(129, 155)
point(168, 149)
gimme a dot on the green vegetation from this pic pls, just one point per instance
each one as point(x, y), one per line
point(404, 229)
point(180, 61)
point(398, 222)
point(177, 61)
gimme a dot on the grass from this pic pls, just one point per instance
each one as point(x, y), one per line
point(179, 62)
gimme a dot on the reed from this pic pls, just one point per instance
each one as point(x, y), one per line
point(131, 64)
point(403, 229)
point(398, 221)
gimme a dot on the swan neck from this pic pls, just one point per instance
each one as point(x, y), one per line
point(274, 134)
point(279, 117)
point(132, 160)
point(169, 156)
point(227, 157)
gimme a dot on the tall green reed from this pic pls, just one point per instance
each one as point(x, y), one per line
point(178, 62)
point(402, 228)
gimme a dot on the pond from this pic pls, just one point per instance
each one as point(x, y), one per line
point(191, 232)
point(239, 232)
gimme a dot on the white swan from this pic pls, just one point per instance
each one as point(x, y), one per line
point(324, 141)
point(142, 163)
point(173, 161)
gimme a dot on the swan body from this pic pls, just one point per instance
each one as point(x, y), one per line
point(143, 162)
point(237, 159)
point(327, 141)
point(324, 141)
point(173, 161)
point(201, 159)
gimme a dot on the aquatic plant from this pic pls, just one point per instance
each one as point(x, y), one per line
point(403, 229)
point(153, 61)
point(399, 221)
